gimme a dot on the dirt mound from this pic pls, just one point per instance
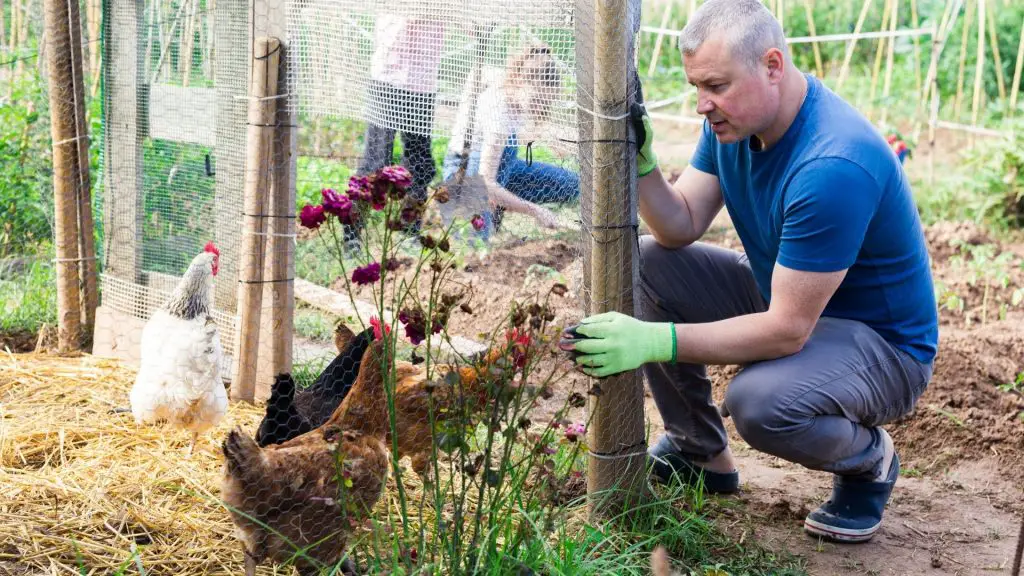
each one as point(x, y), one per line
point(943, 237)
point(971, 408)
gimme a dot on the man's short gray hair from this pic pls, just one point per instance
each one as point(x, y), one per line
point(749, 27)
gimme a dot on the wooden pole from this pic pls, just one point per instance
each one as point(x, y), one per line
point(979, 67)
point(616, 469)
point(1018, 67)
point(996, 57)
point(584, 36)
point(886, 11)
point(280, 268)
point(93, 12)
point(657, 43)
point(945, 25)
point(968, 19)
point(809, 12)
point(63, 131)
point(917, 60)
point(845, 68)
point(932, 80)
point(889, 61)
point(259, 151)
point(86, 231)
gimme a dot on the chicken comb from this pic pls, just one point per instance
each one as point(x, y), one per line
point(211, 248)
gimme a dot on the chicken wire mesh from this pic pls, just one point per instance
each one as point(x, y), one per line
point(224, 121)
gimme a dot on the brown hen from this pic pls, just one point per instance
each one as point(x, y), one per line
point(313, 489)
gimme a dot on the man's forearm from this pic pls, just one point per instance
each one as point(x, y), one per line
point(736, 340)
point(665, 211)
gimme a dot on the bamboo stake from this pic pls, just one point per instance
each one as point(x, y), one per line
point(932, 80)
point(944, 27)
point(979, 66)
point(886, 10)
point(165, 48)
point(262, 109)
point(63, 131)
point(86, 238)
point(151, 18)
point(188, 43)
point(845, 68)
point(1015, 87)
point(809, 11)
point(15, 45)
point(616, 476)
point(996, 57)
point(657, 43)
point(917, 59)
point(280, 268)
point(888, 62)
point(3, 25)
point(968, 21)
point(93, 15)
point(780, 14)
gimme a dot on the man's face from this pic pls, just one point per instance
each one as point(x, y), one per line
point(737, 101)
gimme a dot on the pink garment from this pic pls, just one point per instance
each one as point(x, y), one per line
point(407, 52)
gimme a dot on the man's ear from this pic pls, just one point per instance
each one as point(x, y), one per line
point(775, 63)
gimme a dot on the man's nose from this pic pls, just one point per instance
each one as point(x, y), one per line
point(704, 105)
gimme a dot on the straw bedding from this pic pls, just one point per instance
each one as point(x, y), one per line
point(86, 491)
point(82, 488)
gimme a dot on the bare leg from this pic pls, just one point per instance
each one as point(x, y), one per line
point(250, 565)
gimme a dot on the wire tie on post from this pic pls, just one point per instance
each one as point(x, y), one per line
point(618, 456)
point(59, 260)
point(72, 139)
point(288, 216)
point(271, 234)
point(260, 98)
point(603, 116)
point(240, 281)
point(529, 153)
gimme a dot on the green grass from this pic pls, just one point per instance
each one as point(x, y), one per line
point(28, 295)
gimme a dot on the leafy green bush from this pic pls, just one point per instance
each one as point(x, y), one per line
point(26, 204)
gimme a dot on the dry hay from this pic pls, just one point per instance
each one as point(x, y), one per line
point(81, 487)
point(86, 491)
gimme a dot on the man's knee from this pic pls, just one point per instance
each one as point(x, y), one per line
point(757, 409)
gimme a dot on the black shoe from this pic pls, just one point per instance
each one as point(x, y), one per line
point(668, 462)
point(854, 511)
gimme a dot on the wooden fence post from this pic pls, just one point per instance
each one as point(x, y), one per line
point(65, 136)
point(86, 238)
point(259, 152)
point(616, 471)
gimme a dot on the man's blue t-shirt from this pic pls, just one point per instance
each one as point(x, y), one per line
point(830, 195)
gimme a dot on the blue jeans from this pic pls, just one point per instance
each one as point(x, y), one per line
point(535, 182)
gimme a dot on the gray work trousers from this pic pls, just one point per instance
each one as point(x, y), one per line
point(819, 407)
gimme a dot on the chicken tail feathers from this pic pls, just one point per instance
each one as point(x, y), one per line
point(242, 456)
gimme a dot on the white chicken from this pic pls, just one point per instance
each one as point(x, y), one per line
point(179, 379)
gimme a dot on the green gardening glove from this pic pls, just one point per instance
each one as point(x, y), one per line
point(646, 161)
point(616, 342)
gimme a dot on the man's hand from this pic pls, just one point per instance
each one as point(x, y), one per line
point(646, 161)
point(616, 342)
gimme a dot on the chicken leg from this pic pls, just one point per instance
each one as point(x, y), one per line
point(192, 444)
